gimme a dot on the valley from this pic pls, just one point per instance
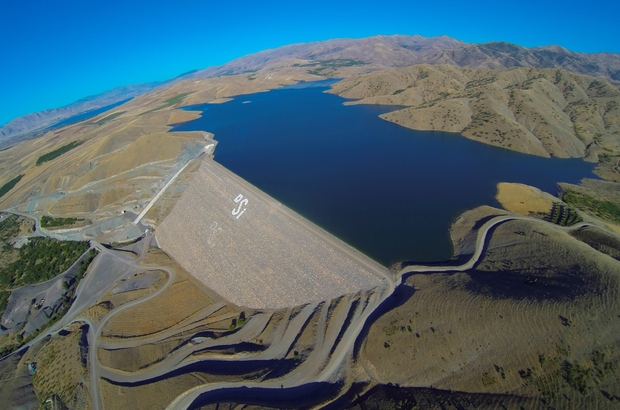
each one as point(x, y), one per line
point(250, 238)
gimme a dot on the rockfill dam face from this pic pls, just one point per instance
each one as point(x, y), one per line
point(256, 252)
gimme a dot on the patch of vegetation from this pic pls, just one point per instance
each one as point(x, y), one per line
point(605, 157)
point(4, 298)
point(331, 64)
point(611, 105)
point(49, 222)
point(317, 71)
point(340, 62)
point(237, 323)
point(527, 374)
point(8, 228)
point(500, 370)
point(241, 320)
point(563, 215)
point(394, 397)
point(602, 367)
point(85, 263)
point(576, 376)
point(542, 359)
point(109, 117)
point(4, 189)
point(602, 209)
point(480, 82)
point(58, 152)
point(527, 84)
point(176, 99)
point(68, 297)
point(40, 260)
point(169, 102)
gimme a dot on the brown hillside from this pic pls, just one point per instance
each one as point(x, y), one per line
point(537, 318)
point(545, 112)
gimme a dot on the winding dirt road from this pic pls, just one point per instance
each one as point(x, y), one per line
point(333, 346)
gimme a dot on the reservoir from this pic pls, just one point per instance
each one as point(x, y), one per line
point(88, 114)
point(388, 191)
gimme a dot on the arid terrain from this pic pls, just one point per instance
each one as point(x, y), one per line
point(538, 293)
point(202, 291)
point(342, 58)
point(545, 112)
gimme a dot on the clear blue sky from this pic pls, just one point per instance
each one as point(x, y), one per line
point(55, 52)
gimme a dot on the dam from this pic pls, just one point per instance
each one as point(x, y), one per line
point(256, 252)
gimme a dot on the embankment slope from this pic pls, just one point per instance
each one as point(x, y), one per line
point(253, 250)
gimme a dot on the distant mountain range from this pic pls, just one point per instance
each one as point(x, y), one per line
point(382, 52)
point(372, 53)
point(38, 121)
point(27, 125)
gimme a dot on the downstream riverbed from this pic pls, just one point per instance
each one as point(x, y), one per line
point(388, 191)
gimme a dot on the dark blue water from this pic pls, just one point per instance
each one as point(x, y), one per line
point(87, 114)
point(388, 191)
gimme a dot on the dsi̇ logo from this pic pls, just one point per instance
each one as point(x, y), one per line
point(241, 207)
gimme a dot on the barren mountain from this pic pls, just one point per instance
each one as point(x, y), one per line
point(400, 51)
point(38, 121)
point(378, 51)
point(545, 112)
point(344, 57)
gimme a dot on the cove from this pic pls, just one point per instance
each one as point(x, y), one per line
point(388, 191)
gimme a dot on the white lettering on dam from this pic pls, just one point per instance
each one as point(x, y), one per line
point(241, 206)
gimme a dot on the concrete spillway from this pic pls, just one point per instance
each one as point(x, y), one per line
point(253, 250)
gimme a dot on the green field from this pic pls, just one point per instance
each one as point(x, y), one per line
point(40, 260)
point(9, 185)
point(330, 65)
point(169, 102)
point(58, 152)
point(49, 222)
point(589, 204)
point(109, 117)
